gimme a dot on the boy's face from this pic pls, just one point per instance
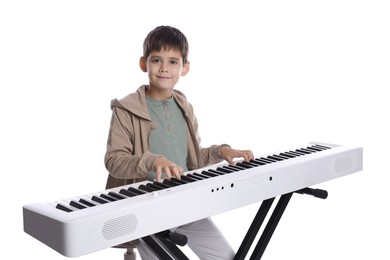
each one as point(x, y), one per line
point(164, 68)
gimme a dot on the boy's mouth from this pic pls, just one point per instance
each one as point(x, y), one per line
point(163, 77)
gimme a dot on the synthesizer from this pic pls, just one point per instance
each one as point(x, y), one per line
point(88, 223)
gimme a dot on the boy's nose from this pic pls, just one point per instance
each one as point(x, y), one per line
point(163, 68)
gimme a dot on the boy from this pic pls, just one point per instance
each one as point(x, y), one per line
point(154, 135)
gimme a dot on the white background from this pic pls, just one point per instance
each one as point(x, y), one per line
point(265, 75)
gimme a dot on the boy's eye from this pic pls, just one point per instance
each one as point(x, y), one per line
point(173, 62)
point(155, 60)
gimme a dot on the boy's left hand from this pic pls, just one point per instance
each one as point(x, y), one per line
point(229, 154)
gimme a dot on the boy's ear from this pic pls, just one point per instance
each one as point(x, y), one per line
point(142, 64)
point(186, 68)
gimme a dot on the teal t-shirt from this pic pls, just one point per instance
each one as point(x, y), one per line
point(169, 134)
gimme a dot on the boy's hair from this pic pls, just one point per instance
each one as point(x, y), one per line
point(166, 37)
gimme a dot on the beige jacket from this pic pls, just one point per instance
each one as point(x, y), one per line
point(128, 158)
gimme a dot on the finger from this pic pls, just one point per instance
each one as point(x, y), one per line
point(247, 156)
point(229, 160)
point(250, 156)
point(158, 174)
point(176, 172)
point(168, 172)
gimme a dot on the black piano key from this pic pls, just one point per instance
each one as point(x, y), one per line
point(77, 205)
point(170, 183)
point(288, 155)
point(188, 178)
point(191, 175)
point(247, 166)
point(200, 175)
point(224, 169)
point(233, 168)
point(116, 195)
point(303, 150)
point(209, 174)
point(107, 197)
point(154, 186)
point(151, 187)
point(99, 200)
point(271, 159)
point(250, 164)
point(145, 188)
point(274, 157)
point(64, 208)
point(127, 193)
point(178, 181)
point(321, 147)
point(160, 184)
point(297, 152)
point(258, 162)
point(216, 171)
point(265, 160)
point(311, 149)
point(283, 156)
point(136, 191)
point(87, 202)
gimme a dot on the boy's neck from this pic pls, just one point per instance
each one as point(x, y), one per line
point(156, 94)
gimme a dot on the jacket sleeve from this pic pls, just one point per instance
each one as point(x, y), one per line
point(121, 160)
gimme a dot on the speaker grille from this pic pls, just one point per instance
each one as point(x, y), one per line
point(118, 227)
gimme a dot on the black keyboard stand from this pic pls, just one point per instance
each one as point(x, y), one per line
point(268, 231)
point(271, 225)
point(164, 243)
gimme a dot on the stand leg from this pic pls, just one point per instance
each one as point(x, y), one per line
point(157, 249)
point(174, 250)
point(163, 245)
point(271, 226)
point(254, 229)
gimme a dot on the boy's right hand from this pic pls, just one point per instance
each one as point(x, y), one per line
point(172, 170)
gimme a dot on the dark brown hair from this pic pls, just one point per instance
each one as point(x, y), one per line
point(166, 37)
